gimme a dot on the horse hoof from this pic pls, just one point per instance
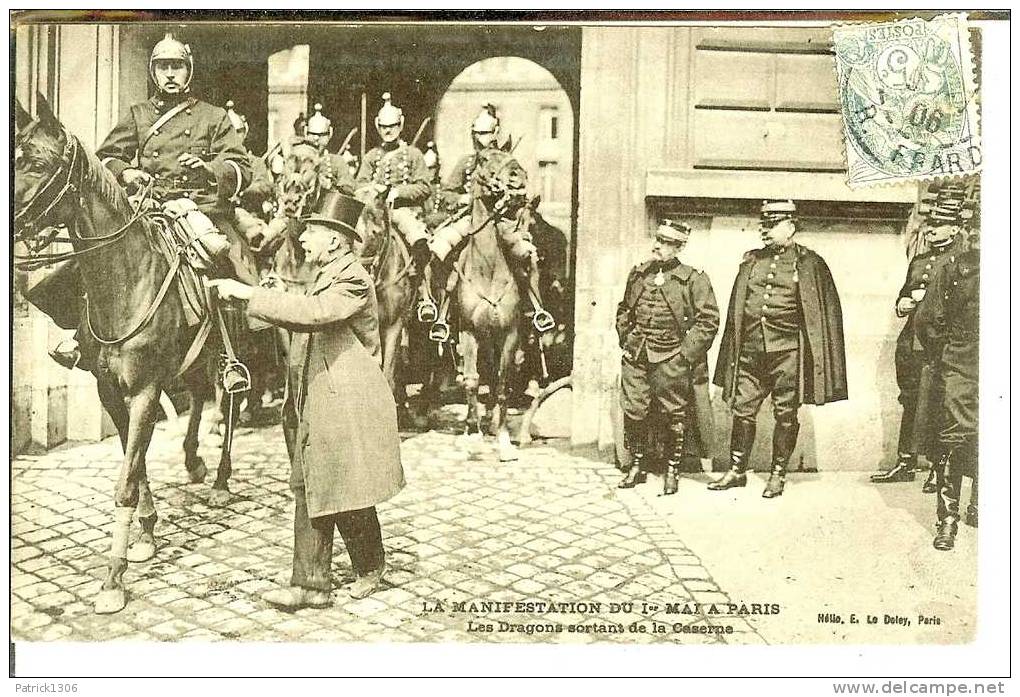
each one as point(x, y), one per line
point(110, 600)
point(219, 497)
point(197, 473)
point(140, 551)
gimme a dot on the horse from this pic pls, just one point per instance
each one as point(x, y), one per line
point(488, 296)
point(386, 255)
point(133, 316)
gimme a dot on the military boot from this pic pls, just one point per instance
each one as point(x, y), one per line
point(634, 441)
point(784, 439)
point(669, 479)
point(947, 503)
point(902, 471)
point(741, 442)
point(971, 518)
point(931, 485)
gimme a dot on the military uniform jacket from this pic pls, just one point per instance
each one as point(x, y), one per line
point(920, 275)
point(688, 295)
point(822, 355)
point(947, 321)
point(401, 168)
point(347, 453)
point(199, 128)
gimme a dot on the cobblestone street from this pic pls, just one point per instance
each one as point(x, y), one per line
point(550, 528)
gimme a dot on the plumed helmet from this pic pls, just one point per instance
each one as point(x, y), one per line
point(239, 122)
point(171, 48)
point(486, 121)
point(389, 115)
point(318, 124)
point(431, 155)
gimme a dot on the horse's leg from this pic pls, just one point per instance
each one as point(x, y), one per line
point(142, 418)
point(112, 399)
point(507, 451)
point(198, 395)
point(469, 346)
point(230, 408)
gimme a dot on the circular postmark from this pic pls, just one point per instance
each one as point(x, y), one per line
point(903, 102)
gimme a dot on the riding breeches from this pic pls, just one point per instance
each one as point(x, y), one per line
point(409, 224)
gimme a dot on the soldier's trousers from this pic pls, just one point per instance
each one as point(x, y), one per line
point(667, 383)
point(409, 224)
point(313, 543)
point(960, 417)
point(761, 373)
point(921, 398)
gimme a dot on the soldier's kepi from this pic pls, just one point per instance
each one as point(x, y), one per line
point(666, 323)
point(784, 337)
point(190, 154)
point(394, 174)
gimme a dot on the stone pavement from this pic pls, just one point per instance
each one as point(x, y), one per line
point(550, 528)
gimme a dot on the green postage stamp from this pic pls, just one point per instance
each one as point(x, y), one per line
point(908, 96)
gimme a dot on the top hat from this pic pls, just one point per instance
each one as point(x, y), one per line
point(339, 212)
point(777, 211)
point(673, 230)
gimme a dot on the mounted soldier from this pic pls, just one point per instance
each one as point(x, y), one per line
point(255, 203)
point(393, 173)
point(458, 195)
point(334, 172)
point(187, 155)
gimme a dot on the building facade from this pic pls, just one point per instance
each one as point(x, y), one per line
point(695, 122)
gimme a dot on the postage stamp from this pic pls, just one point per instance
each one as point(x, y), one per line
point(908, 98)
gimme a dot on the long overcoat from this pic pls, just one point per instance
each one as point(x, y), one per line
point(823, 353)
point(346, 451)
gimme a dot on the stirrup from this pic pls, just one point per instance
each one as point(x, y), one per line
point(439, 332)
point(427, 311)
point(543, 321)
point(236, 377)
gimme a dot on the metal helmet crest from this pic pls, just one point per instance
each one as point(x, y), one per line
point(318, 124)
point(486, 121)
point(171, 48)
point(239, 122)
point(389, 115)
point(431, 155)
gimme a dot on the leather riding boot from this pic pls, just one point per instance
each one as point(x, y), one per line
point(902, 471)
point(741, 442)
point(634, 440)
point(931, 485)
point(420, 255)
point(669, 480)
point(784, 439)
point(72, 353)
point(947, 503)
point(971, 517)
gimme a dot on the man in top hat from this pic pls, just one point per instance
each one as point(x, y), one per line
point(666, 323)
point(783, 336)
point(915, 372)
point(187, 149)
point(395, 171)
point(339, 417)
point(948, 326)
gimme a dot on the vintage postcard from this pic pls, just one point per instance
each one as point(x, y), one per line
point(364, 330)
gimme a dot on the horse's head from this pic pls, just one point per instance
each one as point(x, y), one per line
point(43, 160)
point(499, 178)
point(299, 183)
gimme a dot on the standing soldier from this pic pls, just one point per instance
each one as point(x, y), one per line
point(396, 171)
point(784, 337)
point(911, 359)
point(947, 325)
point(666, 323)
point(187, 149)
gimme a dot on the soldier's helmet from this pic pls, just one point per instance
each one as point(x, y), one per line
point(945, 214)
point(239, 122)
point(318, 125)
point(775, 212)
point(389, 115)
point(486, 121)
point(170, 48)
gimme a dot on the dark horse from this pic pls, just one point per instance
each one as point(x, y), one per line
point(488, 295)
point(133, 314)
point(389, 261)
